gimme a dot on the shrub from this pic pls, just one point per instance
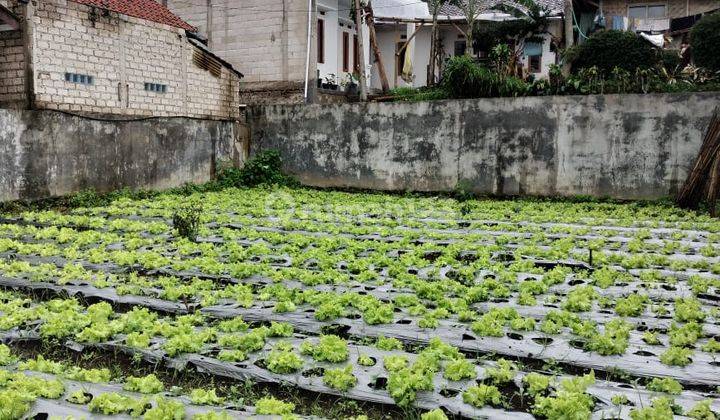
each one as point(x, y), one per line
point(609, 49)
point(186, 220)
point(670, 60)
point(265, 168)
point(705, 42)
point(463, 78)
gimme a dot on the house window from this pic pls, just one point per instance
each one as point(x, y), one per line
point(155, 87)
point(346, 52)
point(399, 58)
point(533, 52)
point(535, 63)
point(82, 79)
point(653, 11)
point(356, 54)
point(460, 47)
point(321, 41)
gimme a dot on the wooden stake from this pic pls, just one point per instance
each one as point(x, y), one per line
point(714, 185)
point(692, 191)
point(370, 19)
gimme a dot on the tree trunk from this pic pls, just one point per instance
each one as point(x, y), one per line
point(469, 39)
point(373, 42)
point(433, 52)
point(361, 52)
point(569, 36)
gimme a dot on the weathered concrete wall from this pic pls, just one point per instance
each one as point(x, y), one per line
point(48, 153)
point(624, 146)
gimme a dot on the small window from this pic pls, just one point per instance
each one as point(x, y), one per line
point(82, 79)
point(535, 63)
point(346, 52)
point(399, 58)
point(654, 11)
point(155, 87)
point(460, 47)
point(356, 54)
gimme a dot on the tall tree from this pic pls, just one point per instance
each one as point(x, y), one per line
point(434, 7)
point(471, 9)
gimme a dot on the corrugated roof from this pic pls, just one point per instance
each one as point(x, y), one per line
point(143, 9)
point(553, 6)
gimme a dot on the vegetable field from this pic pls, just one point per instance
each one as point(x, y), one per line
point(410, 306)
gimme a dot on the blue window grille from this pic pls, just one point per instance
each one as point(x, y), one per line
point(82, 79)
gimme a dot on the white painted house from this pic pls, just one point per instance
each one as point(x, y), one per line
point(398, 21)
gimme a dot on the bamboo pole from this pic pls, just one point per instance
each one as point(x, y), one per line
point(692, 191)
point(370, 19)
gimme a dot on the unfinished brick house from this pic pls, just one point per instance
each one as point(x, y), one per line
point(122, 57)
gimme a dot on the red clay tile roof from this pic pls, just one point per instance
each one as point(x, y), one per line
point(143, 9)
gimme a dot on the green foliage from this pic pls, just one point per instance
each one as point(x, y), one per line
point(404, 383)
point(265, 168)
point(705, 41)
point(271, 406)
point(436, 414)
point(186, 220)
point(113, 403)
point(676, 356)
point(340, 378)
point(669, 385)
point(536, 383)
point(601, 51)
point(388, 343)
point(149, 384)
point(688, 310)
point(205, 397)
point(702, 411)
point(280, 329)
point(660, 409)
point(165, 409)
point(569, 402)
point(504, 372)
point(458, 369)
point(633, 305)
point(394, 362)
point(409, 94)
point(379, 314)
point(365, 360)
point(463, 78)
point(282, 359)
point(614, 340)
point(330, 348)
point(78, 397)
point(481, 395)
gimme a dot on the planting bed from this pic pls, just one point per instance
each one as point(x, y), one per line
point(424, 306)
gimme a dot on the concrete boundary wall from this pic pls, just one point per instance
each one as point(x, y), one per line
point(623, 146)
point(49, 153)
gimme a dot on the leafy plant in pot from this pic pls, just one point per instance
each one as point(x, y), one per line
point(329, 82)
point(351, 86)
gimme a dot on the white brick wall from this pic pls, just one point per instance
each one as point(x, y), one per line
point(249, 35)
point(12, 68)
point(122, 53)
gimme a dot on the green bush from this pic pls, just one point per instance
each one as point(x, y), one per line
point(186, 220)
point(705, 42)
point(265, 168)
point(463, 78)
point(408, 94)
point(607, 50)
point(670, 60)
